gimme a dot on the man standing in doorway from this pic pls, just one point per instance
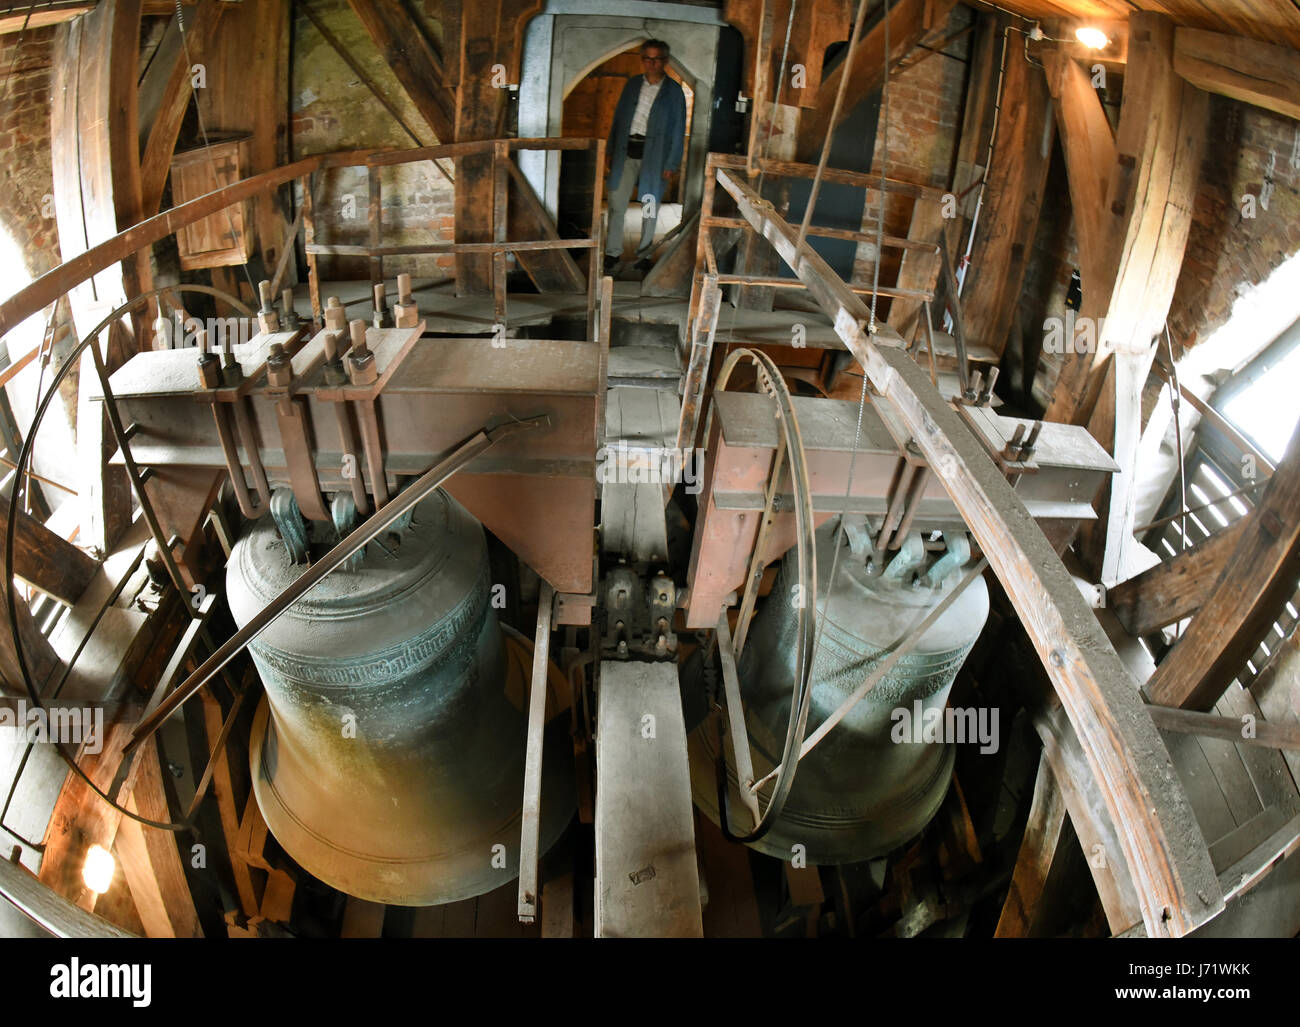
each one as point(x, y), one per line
point(644, 150)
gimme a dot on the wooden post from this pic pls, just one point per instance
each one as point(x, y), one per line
point(309, 239)
point(486, 39)
point(151, 861)
point(1008, 218)
point(1038, 848)
point(500, 220)
point(375, 219)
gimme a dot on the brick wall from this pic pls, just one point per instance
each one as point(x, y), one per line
point(26, 197)
point(334, 110)
point(926, 97)
point(1227, 253)
point(25, 176)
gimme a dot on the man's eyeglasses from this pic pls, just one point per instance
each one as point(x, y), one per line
point(653, 60)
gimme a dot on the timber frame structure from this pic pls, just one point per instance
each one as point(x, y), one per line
point(1104, 760)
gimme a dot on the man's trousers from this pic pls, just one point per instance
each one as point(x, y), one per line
point(619, 197)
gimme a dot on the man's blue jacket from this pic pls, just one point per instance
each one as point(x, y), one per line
point(663, 137)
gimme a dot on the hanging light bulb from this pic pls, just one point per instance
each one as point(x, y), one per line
point(1092, 38)
point(98, 870)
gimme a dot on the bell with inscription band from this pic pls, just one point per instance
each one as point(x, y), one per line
point(881, 774)
point(388, 753)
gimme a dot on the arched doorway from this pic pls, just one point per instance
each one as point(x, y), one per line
point(572, 39)
point(588, 111)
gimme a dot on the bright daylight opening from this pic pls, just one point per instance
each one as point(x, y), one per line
point(54, 462)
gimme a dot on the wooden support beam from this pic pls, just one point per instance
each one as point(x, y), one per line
point(1126, 761)
point(404, 48)
point(1090, 157)
point(550, 270)
point(95, 147)
point(919, 270)
point(1100, 837)
point(40, 655)
point(1263, 74)
point(1261, 574)
point(25, 16)
point(1176, 588)
point(151, 861)
point(1250, 869)
point(155, 163)
point(47, 561)
point(1021, 912)
point(155, 75)
point(675, 266)
point(482, 35)
point(909, 21)
point(1161, 143)
point(1008, 218)
point(96, 172)
point(224, 794)
point(762, 84)
point(1132, 196)
point(1230, 729)
point(248, 92)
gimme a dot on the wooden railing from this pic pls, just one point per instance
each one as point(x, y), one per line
point(71, 273)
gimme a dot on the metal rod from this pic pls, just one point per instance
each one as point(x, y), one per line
point(897, 503)
point(238, 484)
point(929, 345)
point(349, 441)
point(954, 310)
point(201, 790)
point(886, 665)
point(913, 502)
point(736, 719)
point(531, 815)
point(757, 566)
point(133, 472)
point(1198, 509)
point(510, 246)
point(6, 462)
point(367, 530)
point(246, 437)
point(374, 449)
point(768, 282)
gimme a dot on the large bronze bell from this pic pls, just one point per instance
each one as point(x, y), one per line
point(388, 754)
point(861, 792)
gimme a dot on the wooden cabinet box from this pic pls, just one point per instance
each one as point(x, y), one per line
point(226, 237)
